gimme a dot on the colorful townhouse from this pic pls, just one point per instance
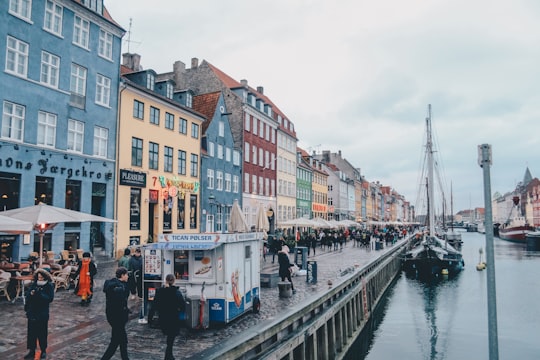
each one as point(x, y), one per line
point(58, 82)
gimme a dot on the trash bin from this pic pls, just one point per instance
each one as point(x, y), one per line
point(193, 313)
point(300, 256)
point(311, 276)
point(378, 245)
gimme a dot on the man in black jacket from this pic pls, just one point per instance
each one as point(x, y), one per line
point(117, 292)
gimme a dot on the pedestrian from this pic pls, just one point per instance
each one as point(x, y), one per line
point(124, 260)
point(116, 292)
point(135, 266)
point(39, 295)
point(169, 303)
point(86, 270)
point(285, 265)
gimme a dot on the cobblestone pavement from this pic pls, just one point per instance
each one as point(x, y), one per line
point(77, 332)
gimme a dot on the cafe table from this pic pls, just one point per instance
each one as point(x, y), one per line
point(20, 279)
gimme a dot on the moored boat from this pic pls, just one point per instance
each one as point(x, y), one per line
point(430, 255)
point(516, 227)
point(533, 240)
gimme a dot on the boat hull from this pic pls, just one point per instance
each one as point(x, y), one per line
point(515, 234)
point(533, 240)
point(427, 263)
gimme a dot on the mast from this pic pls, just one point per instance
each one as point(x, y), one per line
point(429, 151)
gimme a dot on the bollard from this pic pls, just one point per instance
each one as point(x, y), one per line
point(285, 290)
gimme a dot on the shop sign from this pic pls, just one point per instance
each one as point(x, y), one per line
point(132, 178)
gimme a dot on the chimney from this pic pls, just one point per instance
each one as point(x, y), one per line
point(132, 61)
point(244, 83)
point(194, 63)
point(179, 68)
point(260, 90)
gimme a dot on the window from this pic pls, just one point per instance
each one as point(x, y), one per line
point(261, 157)
point(101, 141)
point(182, 126)
point(235, 184)
point(53, 17)
point(194, 165)
point(246, 152)
point(21, 8)
point(50, 68)
point(236, 157)
point(13, 121)
point(261, 188)
point(247, 122)
point(154, 115)
point(105, 44)
point(181, 162)
point(228, 182)
point(169, 121)
point(153, 156)
point(169, 90)
point(46, 135)
point(168, 159)
point(194, 130)
point(255, 121)
point(75, 135)
point(228, 154)
point(267, 132)
point(136, 151)
point(189, 100)
point(78, 85)
point(219, 180)
point(220, 151)
point(138, 109)
point(103, 90)
point(210, 149)
point(254, 155)
point(210, 178)
point(221, 128)
point(246, 182)
point(16, 56)
point(81, 32)
point(73, 195)
point(254, 184)
point(150, 81)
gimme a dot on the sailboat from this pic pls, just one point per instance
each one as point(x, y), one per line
point(430, 255)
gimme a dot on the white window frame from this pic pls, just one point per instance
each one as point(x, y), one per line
point(247, 122)
point(75, 136)
point(254, 154)
point(253, 183)
point(21, 9)
point(17, 57)
point(246, 152)
point(235, 184)
point(261, 157)
point(150, 81)
point(50, 69)
point(221, 130)
point(210, 178)
point(13, 116)
point(219, 180)
point(105, 44)
point(103, 90)
point(46, 131)
point(53, 17)
point(220, 151)
point(255, 123)
point(81, 32)
point(101, 141)
point(78, 80)
point(170, 90)
point(236, 157)
point(227, 154)
point(227, 182)
point(211, 149)
point(246, 182)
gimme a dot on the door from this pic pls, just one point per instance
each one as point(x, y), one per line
point(248, 278)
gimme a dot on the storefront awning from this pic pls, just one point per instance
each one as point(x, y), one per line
point(183, 245)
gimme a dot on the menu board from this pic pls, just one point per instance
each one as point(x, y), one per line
point(152, 262)
point(203, 264)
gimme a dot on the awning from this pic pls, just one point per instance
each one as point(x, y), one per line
point(183, 245)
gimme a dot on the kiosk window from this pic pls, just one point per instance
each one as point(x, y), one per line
point(181, 264)
point(247, 250)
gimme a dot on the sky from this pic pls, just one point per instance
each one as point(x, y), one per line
point(357, 76)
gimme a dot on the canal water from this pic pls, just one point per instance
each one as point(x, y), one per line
point(447, 319)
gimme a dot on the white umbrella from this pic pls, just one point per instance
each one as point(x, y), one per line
point(45, 217)
point(321, 223)
point(348, 223)
point(301, 222)
point(262, 220)
point(14, 226)
point(237, 222)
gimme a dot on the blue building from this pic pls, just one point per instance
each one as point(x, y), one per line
point(221, 165)
point(59, 98)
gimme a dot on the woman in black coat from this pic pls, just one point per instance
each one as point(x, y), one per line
point(169, 302)
point(38, 297)
point(284, 265)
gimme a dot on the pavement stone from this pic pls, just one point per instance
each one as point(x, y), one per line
point(77, 332)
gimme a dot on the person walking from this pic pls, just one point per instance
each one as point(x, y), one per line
point(39, 295)
point(124, 260)
point(86, 270)
point(135, 266)
point(116, 292)
point(169, 302)
point(285, 265)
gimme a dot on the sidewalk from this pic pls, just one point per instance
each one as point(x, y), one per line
point(77, 332)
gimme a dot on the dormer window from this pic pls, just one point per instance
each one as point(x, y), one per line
point(169, 90)
point(95, 5)
point(150, 81)
point(189, 100)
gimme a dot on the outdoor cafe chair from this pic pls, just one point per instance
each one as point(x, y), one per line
point(62, 278)
point(4, 284)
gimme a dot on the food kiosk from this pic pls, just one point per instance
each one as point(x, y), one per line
point(219, 274)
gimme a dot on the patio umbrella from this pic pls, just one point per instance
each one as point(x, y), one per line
point(321, 223)
point(237, 222)
point(45, 217)
point(300, 222)
point(14, 226)
point(262, 223)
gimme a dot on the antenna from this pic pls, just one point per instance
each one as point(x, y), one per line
point(129, 41)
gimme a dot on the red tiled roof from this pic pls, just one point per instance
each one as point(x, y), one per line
point(206, 104)
point(125, 70)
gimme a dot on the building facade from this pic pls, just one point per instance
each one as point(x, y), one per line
point(59, 104)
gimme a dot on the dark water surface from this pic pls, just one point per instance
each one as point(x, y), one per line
point(448, 319)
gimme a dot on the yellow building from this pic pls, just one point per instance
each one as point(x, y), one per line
point(159, 145)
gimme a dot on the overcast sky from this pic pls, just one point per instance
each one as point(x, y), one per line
point(357, 76)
